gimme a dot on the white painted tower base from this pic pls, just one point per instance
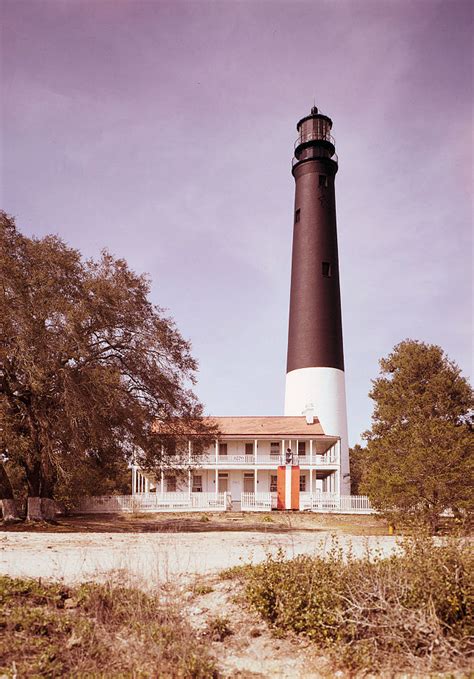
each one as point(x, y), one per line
point(325, 389)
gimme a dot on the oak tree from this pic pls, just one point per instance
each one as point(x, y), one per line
point(419, 451)
point(88, 366)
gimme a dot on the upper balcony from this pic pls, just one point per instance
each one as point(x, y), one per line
point(266, 460)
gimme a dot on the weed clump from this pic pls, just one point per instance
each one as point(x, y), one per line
point(411, 611)
point(218, 628)
point(95, 630)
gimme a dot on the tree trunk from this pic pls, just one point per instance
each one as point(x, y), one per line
point(7, 500)
point(9, 511)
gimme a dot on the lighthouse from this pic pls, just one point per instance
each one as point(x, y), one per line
point(315, 363)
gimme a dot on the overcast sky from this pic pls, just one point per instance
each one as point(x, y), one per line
point(164, 132)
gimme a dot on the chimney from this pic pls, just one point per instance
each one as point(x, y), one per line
point(308, 412)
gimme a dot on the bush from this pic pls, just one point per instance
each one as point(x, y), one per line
point(95, 630)
point(411, 611)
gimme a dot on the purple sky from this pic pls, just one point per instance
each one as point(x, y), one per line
point(164, 132)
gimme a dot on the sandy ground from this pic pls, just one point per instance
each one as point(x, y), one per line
point(154, 557)
point(184, 551)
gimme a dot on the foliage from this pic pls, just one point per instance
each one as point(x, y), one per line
point(358, 464)
point(419, 461)
point(95, 630)
point(88, 366)
point(409, 611)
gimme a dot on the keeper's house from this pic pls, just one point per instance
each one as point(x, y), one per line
point(242, 465)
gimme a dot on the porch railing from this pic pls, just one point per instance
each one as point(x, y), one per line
point(264, 459)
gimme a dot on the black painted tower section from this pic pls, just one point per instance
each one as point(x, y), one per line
point(315, 326)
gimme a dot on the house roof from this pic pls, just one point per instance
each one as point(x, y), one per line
point(281, 427)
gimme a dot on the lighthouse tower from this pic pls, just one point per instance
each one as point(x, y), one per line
point(315, 365)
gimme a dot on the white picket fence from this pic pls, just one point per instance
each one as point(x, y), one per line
point(188, 502)
point(339, 504)
point(153, 502)
point(257, 502)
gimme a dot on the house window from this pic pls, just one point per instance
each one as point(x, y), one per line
point(302, 483)
point(222, 448)
point(326, 269)
point(197, 483)
point(323, 180)
point(297, 215)
point(273, 483)
point(171, 484)
point(301, 448)
point(249, 448)
point(275, 448)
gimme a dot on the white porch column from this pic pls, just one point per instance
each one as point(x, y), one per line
point(189, 483)
point(217, 480)
point(282, 452)
point(255, 453)
point(162, 483)
point(217, 451)
point(255, 483)
point(311, 480)
point(147, 485)
point(297, 453)
point(189, 451)
point(133, 479)
point(311, 452)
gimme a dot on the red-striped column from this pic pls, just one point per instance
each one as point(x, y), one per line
point(288, 487)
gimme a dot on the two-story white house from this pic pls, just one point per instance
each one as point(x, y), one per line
point(242, 464)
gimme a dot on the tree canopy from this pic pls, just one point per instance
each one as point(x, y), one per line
point(88, 365)
point(357, 463)
point(419, 458)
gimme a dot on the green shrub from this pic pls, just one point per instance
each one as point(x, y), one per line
point(412, 609)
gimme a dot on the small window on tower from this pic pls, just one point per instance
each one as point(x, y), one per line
point(326, 270)
point(323, 180)
point(297, 215)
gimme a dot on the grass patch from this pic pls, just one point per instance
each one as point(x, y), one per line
point(95, 630)
point(410, 612)
point(201, 588)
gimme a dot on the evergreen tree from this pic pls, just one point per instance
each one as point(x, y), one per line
point(419, 452)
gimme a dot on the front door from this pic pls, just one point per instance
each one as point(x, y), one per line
point(249, 485)
point(223, 483)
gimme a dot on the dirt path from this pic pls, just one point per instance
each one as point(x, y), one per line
point(159, 556)
point(250, 650)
